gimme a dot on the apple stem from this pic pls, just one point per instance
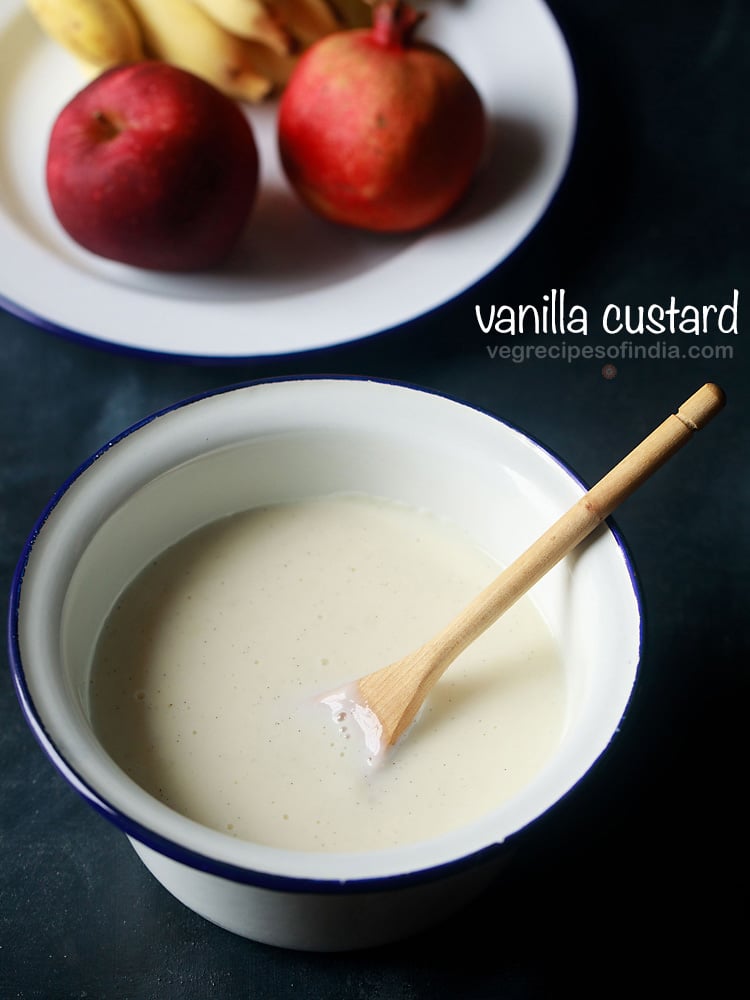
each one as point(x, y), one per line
point(108, 128)
point(394, 23)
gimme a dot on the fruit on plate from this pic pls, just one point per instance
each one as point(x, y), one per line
point(152, 166)
point(377, 130)
point(246, 48)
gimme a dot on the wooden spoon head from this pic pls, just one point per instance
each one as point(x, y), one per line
point(394, 694)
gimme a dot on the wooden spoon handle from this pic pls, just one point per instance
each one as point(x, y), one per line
point(578, 522)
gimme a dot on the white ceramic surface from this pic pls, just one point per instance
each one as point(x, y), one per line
point(280, 440)
point(297, 283)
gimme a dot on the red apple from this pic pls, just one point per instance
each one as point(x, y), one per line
point(154, 167)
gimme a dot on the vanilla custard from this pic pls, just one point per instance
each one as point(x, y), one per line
point(207, 675)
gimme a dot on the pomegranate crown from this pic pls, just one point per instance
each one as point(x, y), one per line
point(394, 22)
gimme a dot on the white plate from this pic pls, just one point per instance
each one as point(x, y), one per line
point(297, 283)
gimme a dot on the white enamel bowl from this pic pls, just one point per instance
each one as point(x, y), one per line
point(266, 442)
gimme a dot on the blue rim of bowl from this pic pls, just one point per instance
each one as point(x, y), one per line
point(187, 856)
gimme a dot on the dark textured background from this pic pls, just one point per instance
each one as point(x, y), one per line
point(633, 882)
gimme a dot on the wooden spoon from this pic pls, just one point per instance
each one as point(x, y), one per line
point(384, 703)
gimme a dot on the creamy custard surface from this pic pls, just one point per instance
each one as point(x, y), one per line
point(206, 678)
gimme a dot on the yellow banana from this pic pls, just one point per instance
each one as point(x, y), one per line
point(101, 33)
point(306, 20)
point(89, 71)
point(248, 19)
point(276, 66)
point(353, 13)
point(181, 33)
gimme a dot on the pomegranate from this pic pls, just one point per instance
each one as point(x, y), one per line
point(377, 130)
